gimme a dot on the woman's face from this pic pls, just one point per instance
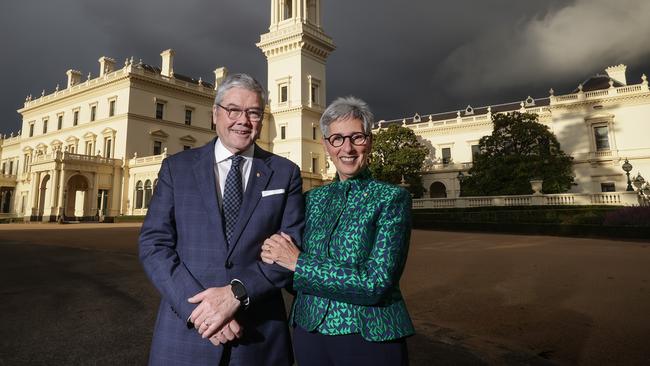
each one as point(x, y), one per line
point(349, 159)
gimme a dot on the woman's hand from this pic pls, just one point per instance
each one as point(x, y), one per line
point(280, 249)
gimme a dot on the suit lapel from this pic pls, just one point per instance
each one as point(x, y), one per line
point(258, 180)
point(206, 184)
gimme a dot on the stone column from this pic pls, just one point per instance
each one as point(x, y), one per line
point(60, 203)
point(115, 192)
point(35, 192)
point(93, 195)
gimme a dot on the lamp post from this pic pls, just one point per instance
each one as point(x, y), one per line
point(627, 167)
point(643, 189)
point(460, 177)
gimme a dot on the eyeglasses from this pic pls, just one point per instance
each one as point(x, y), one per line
point(253, 115)
point(357, 139)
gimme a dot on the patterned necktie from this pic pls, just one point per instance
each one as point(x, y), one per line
point(232, 196)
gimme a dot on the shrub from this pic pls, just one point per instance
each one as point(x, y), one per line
point(628, 216)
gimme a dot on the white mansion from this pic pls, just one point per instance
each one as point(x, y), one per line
point(92, 149)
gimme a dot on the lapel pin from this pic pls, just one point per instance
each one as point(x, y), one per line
point(258, 174)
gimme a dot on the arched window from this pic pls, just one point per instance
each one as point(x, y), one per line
point(147, 193)
point(138, 194)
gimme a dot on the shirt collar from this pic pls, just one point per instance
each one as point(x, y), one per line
point(221, 153)
point(359, 179)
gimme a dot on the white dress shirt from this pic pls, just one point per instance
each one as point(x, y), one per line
point(222, 157)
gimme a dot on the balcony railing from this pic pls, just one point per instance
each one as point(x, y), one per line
point(564, 199)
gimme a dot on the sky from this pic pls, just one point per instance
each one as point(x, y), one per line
point(402, 57)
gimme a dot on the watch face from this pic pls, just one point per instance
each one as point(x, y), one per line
point(238, 290)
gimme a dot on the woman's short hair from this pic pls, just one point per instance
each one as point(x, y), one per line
point(243, 81)
point(347, 108)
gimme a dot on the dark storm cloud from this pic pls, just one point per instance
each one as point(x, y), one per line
point(402, 57)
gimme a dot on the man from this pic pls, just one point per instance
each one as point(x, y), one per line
point(210, 213)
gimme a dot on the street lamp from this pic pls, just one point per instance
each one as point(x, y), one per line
point(460, 177)
point(643, 189)
point(627, 167)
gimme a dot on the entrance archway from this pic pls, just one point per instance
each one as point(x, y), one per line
point(437, 190)
point(77, 194)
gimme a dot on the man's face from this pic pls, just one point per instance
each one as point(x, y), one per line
point(237, 134)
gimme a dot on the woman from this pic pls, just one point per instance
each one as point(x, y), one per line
point(348, 308)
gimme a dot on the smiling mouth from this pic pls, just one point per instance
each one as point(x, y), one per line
point(240, 132)
point(347, 159)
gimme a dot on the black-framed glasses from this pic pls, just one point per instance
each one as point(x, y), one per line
point(253, 114)
point(357, 139)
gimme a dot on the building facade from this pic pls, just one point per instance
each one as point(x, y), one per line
point(93, 149)
point(604, 121)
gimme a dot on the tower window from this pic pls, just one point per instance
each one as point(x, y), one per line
point(313, 133)
point(59, 122)
point(188, 117)
point(157, 147)
point(111, 108)
point(283, 132)
point(93, 113)
point(159, 110)
point(31, 129)
point(284, 93)
point(75, 118)
point(288, 9)
point(44, 126)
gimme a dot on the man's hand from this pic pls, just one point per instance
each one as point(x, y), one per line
point(228, 333)
point(217, 306)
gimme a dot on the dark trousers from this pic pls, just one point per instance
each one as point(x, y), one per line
point(315, 349)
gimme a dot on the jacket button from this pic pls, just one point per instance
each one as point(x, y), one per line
point(228, 264)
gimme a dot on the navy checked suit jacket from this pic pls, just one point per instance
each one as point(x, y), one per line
point(183, 251)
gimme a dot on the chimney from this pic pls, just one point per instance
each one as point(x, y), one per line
point(106, 65)
point(617, 73)
point(74, 77)
point(219, 74)
point(167, 68)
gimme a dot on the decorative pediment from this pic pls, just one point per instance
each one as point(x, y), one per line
point(27, 150)
point(159, 134)
point(56, 142)
point(72, 140)
point(188, 138)
point(108, 132)
point(90, 136)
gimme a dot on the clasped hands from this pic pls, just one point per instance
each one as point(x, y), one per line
point(280, 249)
point(213, 318)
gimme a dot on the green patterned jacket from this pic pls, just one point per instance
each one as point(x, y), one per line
point(354, 250)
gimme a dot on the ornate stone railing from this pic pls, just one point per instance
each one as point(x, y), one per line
point(147, 160)
point(564, 199)
point(8, 180)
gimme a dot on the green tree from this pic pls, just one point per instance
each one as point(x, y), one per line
point(397, 153)
point(518, 150)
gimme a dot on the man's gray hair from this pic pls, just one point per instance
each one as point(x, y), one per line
point(347, 108)
point(243, 81)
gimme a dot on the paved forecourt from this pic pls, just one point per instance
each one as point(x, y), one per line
point(75, 294)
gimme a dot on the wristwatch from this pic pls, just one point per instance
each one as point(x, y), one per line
point(240, 293)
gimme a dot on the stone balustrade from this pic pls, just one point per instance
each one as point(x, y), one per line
point(563, 199)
